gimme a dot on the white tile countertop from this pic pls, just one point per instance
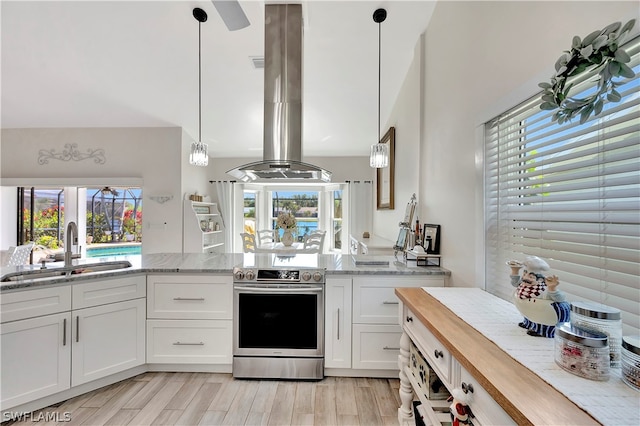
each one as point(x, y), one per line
point(223, 263)
point(610, 402)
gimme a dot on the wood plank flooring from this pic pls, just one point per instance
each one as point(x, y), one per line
point(219, 399)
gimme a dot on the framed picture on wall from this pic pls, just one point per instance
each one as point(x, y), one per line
point(384, 182)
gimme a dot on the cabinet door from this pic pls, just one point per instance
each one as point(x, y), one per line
point(376, 347)
point(179, 296)
point(374, 299)
point(189, 341)
point(337, 337)
point(36, 358)
point(485, 409)
point(107, 339)
point(112, 290)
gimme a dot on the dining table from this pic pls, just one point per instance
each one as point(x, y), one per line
point(280, 248)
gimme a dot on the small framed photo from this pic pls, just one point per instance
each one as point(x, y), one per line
point(201, 209)
point(431, 238)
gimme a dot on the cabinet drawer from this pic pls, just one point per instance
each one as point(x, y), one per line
point(376, 346)
point(32, 303)
point(374, 299)
point(189, 341)
point(102, 292)
point(189, 297)
point(435, 353)
point(486, 410)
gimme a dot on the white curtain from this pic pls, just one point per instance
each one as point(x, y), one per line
point(360, 207)
point(224, 191)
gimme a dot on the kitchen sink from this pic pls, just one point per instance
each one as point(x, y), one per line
point(65, 271)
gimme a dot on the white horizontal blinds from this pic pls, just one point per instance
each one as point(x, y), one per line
point(570, 194)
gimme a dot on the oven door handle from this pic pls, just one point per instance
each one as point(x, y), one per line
point(279, 289)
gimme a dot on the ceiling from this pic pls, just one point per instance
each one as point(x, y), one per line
point(135, 64)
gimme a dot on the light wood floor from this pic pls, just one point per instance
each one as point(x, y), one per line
point(218, 399)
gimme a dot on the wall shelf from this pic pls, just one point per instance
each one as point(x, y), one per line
point(202, 228)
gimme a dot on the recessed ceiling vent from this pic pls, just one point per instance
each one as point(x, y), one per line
point(282, 141)
point(257, 61)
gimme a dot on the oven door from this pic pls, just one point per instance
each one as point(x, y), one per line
point(278, 320)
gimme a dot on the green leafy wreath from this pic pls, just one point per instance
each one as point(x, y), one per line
point(599, 50)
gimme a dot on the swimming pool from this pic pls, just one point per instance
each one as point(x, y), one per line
point(118, 250)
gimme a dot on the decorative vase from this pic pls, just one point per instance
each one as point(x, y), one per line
point(287, 238)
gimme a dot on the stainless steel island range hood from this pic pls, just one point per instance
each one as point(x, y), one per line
point(282, 144)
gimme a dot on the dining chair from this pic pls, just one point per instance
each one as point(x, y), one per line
point(248, 242)
point(314, 241)
point(266, 236)
point(20, 255)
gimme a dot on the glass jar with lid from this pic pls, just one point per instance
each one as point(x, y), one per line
point(602, 318)
point(631, 361)
point(581, 352)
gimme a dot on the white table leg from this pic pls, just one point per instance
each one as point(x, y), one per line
point(405, 412)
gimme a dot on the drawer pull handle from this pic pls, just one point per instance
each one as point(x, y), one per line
point(438, 354)
point(409, 319)
point(467, 388)
point(199, 299)
point(64, 332)
point(188, 344)
point(387, 302)
point(389, 348)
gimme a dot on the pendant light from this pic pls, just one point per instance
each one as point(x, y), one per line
point(199, 155)
point(379, 157)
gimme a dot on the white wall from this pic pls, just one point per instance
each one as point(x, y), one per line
point(405, 117)
point(149, 157)
point(482, 58)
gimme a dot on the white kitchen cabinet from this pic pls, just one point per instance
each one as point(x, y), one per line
point(180, 296)
point(337, 323)
point(203, 230)
point(376, 347)
point(90, 330)
point(376, 332)
point(189, 342)
point(374, 300)
point(189, 319)
point(36, 358)
point(107, 339)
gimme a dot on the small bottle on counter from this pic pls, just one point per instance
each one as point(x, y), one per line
point(418, 239)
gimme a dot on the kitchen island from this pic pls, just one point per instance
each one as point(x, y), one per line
point(472, 341)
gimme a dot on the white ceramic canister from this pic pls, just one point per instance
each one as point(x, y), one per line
point(605, 319)
point(631, 361)
point(582, 352)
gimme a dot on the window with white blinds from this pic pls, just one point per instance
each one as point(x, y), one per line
point(569, 194)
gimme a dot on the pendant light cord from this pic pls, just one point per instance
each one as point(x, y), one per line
point(199, 82)
point(379, 75)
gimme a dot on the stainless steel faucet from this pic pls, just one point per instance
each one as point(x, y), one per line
point(71, 239)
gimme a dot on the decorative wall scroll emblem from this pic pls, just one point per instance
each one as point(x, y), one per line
point(71, 152)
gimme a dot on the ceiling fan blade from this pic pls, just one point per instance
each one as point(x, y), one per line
point(232, 14)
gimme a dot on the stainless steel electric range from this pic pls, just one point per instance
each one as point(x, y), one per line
point(278, 330)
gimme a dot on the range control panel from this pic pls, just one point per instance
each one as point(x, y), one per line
point(277, 275)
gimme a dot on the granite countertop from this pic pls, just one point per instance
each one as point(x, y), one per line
point(335, 264)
